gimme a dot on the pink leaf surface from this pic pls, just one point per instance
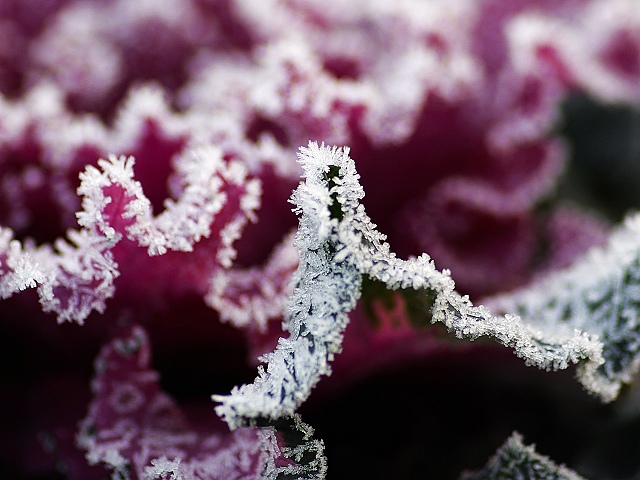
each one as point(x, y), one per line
point(139, 432)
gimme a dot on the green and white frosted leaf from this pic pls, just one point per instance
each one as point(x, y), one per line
point(326, 289)
point(515, 460)
point(338, 246)
point(600, 294)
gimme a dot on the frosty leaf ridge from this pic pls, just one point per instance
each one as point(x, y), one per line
point(183, 222)
point(599, 294)
point(326, 289)
point(75, 275)
point(72, 279)
point(514, 459)
point(338, 245)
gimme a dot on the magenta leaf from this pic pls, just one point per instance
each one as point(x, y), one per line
point(139, 432)
point(452, 111)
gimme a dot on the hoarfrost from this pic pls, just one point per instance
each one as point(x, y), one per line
point(302, 448)
point(76, 276)
point(599, 294)
point(338, 245)
point(183, 222)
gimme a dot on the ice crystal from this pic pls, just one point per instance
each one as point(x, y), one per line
point(72, 282)
point(164, 469)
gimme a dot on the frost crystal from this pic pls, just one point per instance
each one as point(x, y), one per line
point(516, 460)
point(338, 245)
point(302, 448)
point(71, 281)
point(162, 468)
point(17, 269)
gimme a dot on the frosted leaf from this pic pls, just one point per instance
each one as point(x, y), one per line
point(182, 224)
point(360, 244)
point(338, 246)
point(596, 48)
point(93, 50)
point(518, 461)
point(599, 294)
point(77, 275)
point(83, 274)
point(72, 280)
point(92, 67)
point(316, 315)
point(293, 89)
point(139, 432)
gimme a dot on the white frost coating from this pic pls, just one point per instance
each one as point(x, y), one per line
point(316, 313)
point(339, 244)
point(77, 276)
point(163, 468)
point(249, 298)
point(306, 452)
point(71, 281)
point(184, 222)
point(599, 294)
point(363, 246)
point(514, 459)
point(293, 84)
point(18, 271)
point(83, 273)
